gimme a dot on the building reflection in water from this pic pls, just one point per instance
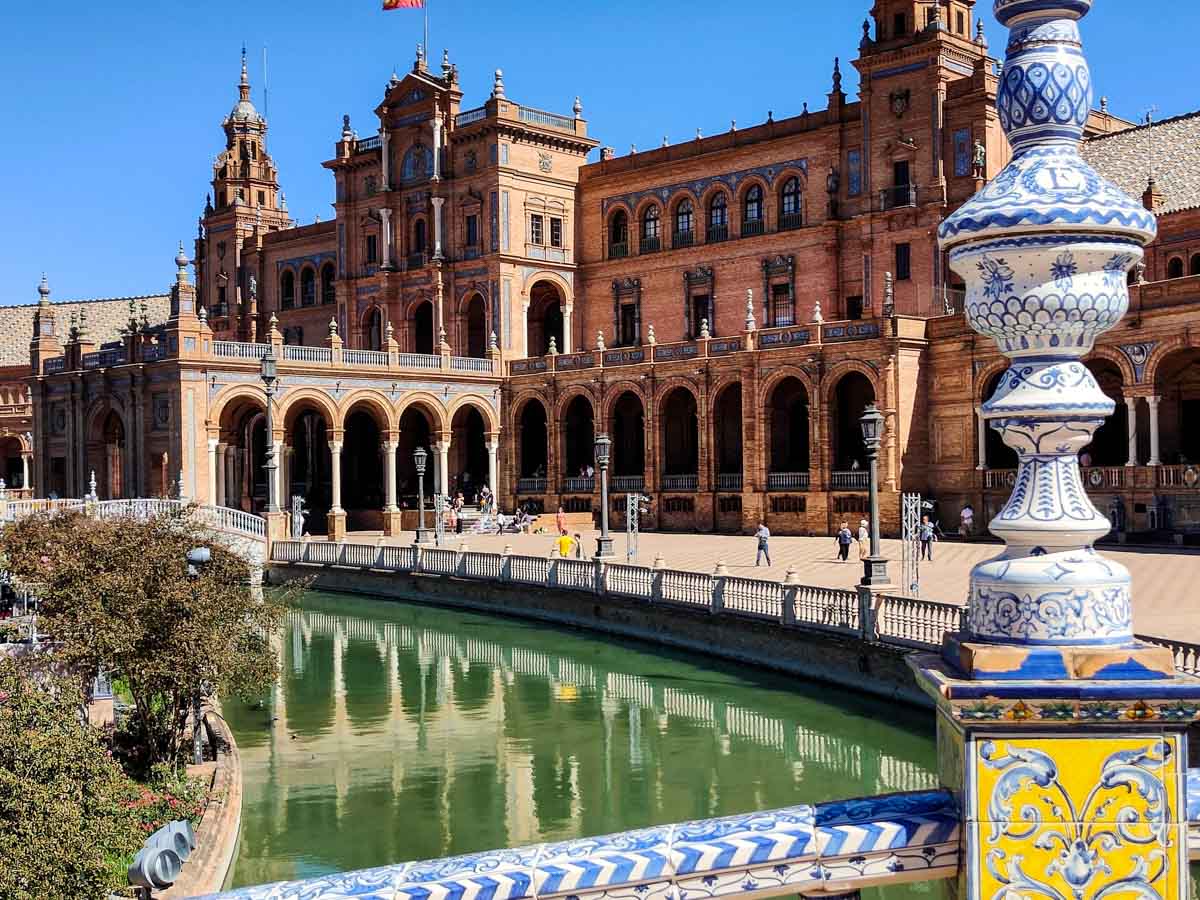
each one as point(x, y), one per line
point(400, 732)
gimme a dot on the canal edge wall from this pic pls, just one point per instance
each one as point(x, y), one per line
point(209, 866)
point(876, 669)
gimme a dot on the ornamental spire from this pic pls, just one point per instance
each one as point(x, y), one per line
point(1044, 249)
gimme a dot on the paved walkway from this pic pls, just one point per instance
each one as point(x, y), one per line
point(1166, 583)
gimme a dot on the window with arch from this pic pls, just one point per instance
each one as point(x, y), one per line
point(1175, 267)
point(618, 235)
point(752, 212)
point(420, 238)
point(1194, 266)
point(718, 217)
point(308, 287)
point(328, 293)
point(373, 332)
point(287, 290)
point(685, 215)
point(791, 210)
point(651, 225)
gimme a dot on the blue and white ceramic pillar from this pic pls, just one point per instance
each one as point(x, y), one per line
point(1064, 736)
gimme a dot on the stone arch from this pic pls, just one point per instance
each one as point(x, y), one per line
point(678, 423)
point(295, 400)
point(367, 398)
point(717, 187)
point(627, 429)
point(232, 395)
point(490, 418)
point(531, 430)
point(421, 321)
point(727, 401)
point(665, 388)
point(473, 321)
point(1175, 267)
point(984, 377)
point(617, 217)
point(570, 392)
point(843, 368)
point(308, 285)
point(1162, 352)
point(564, 286)
point(846, 402)
point(613, 392)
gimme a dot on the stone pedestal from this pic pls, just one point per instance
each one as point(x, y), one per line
point(392, 525)
point(337, 525)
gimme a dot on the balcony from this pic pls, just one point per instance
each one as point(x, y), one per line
point(618, 250)
point(650, 244)
point(791, 481)
point(717, 233)
point(898, 197)
point(791, 221)
point(753, 228)
point(680, 482)
point(849, 481)
point(532, 485)
point(578, 485)
point(683, 239)
point(1177, 476)
point(729, 481)
point(624, 484)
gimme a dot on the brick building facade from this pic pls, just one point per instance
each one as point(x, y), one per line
point(724, 308)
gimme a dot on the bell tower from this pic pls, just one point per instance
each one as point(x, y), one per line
point(245, 201)
point(897, 21)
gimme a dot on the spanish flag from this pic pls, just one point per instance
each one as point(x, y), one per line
point(403, 4)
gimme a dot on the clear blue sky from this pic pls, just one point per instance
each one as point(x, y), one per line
point(111, 109)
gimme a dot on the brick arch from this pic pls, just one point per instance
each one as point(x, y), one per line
point(517, 408)
point(790, 172)
point(644, 204)
point(293, 400)
point(464, 299)
point(230, 394)
point(100, 410)
point(430, 405)
point(844, 368)
point(18, 436)
point(717, 187)
point(1118, 359)
point(767, 387)
point(373, 401)
point(667, 387)
point(676, 197)
point(616, 390)
point(563, 286)
point(480, 403)
point(412, 303)
point(569, 394)
point(986, 374)
point(744, 188)
point(1162, 352)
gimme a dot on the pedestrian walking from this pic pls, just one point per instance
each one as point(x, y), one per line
point(845, 537)
point(864, 540)
point(928, 535)
point(560, 521)
point(578, 545)
point(565, 545)
point(764, 550)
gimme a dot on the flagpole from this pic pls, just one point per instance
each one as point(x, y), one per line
point(426, 7)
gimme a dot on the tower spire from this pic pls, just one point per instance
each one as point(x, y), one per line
point(244, 84)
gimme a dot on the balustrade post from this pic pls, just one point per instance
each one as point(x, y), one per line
point(718, 590)
point(791, 591)
point(656, 579)
point(506, 563)
point(866, 614)
point(418, 559)
point(552, 569)
point(600, 567)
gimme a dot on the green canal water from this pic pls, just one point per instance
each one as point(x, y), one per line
point(402, 732)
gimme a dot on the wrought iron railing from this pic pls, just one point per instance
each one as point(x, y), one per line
point(471, 115)
point(618, 249)
point(897, 197)
point(717, 233)
point(623, 484)
point(650, 244)
point(680, 482)
point(532, 485)
point(546, 119)
point(791, 221)
point(849, 481)
point(753, 227)
point(683, 239)
point(788, 481)
point(729, 481)
point(578, 485)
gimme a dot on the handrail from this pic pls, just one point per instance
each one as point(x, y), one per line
point(219, 517)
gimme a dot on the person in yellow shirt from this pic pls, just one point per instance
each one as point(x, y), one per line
point(565, 544)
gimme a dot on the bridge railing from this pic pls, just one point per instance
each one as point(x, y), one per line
point(220, 518)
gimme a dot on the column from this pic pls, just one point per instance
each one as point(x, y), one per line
point(443, 449)
point(1155, 459)
point(385, 216)
point(280, 480)
point(213, 444)
point(25, 460)
point(335, 452)
point(222, 474)
point(437, 225)
point(981, 436)
point(493, 446)
point(389, 463)
point(1131, 405)
point(567, 310)
point(385, 143)
point(437, 144)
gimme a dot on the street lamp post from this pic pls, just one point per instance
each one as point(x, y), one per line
point(874, 566)
point(419, 459)
point(270, 378)
point(604, 543)
point(197, 558)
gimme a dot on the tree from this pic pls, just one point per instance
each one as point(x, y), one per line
point(66, 815)
point(117, 596)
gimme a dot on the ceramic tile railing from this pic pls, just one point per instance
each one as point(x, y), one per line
point(219, 517)
point(827, 848)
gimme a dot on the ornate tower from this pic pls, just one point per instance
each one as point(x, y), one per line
point(245, 201)
point(45, 343)
point(1065, 736)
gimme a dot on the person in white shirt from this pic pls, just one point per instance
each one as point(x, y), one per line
point(864, 540)
point(764, 551)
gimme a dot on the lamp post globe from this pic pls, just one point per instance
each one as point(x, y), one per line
point(420, 457)
point(874, 566)
point(604, 543)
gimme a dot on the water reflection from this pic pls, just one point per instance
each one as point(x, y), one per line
point(399, 732)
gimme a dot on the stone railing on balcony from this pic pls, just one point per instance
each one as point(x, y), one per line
point(1098, 478)
point(236, 350)
point(788, 481)
point(1183, 477)
point(55, 365)
point(853, 480)
point(370, 143)
point(578, 485)
point(545, 119)
point(103, 359)
point(308, 354)
point(1165, 294)
point(377, 359)
point(470, 116)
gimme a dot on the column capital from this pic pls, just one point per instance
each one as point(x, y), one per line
point(1153, 399)
point(335, 447)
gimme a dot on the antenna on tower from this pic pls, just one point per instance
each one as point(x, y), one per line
point(1150, 113)
point(266, 100)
